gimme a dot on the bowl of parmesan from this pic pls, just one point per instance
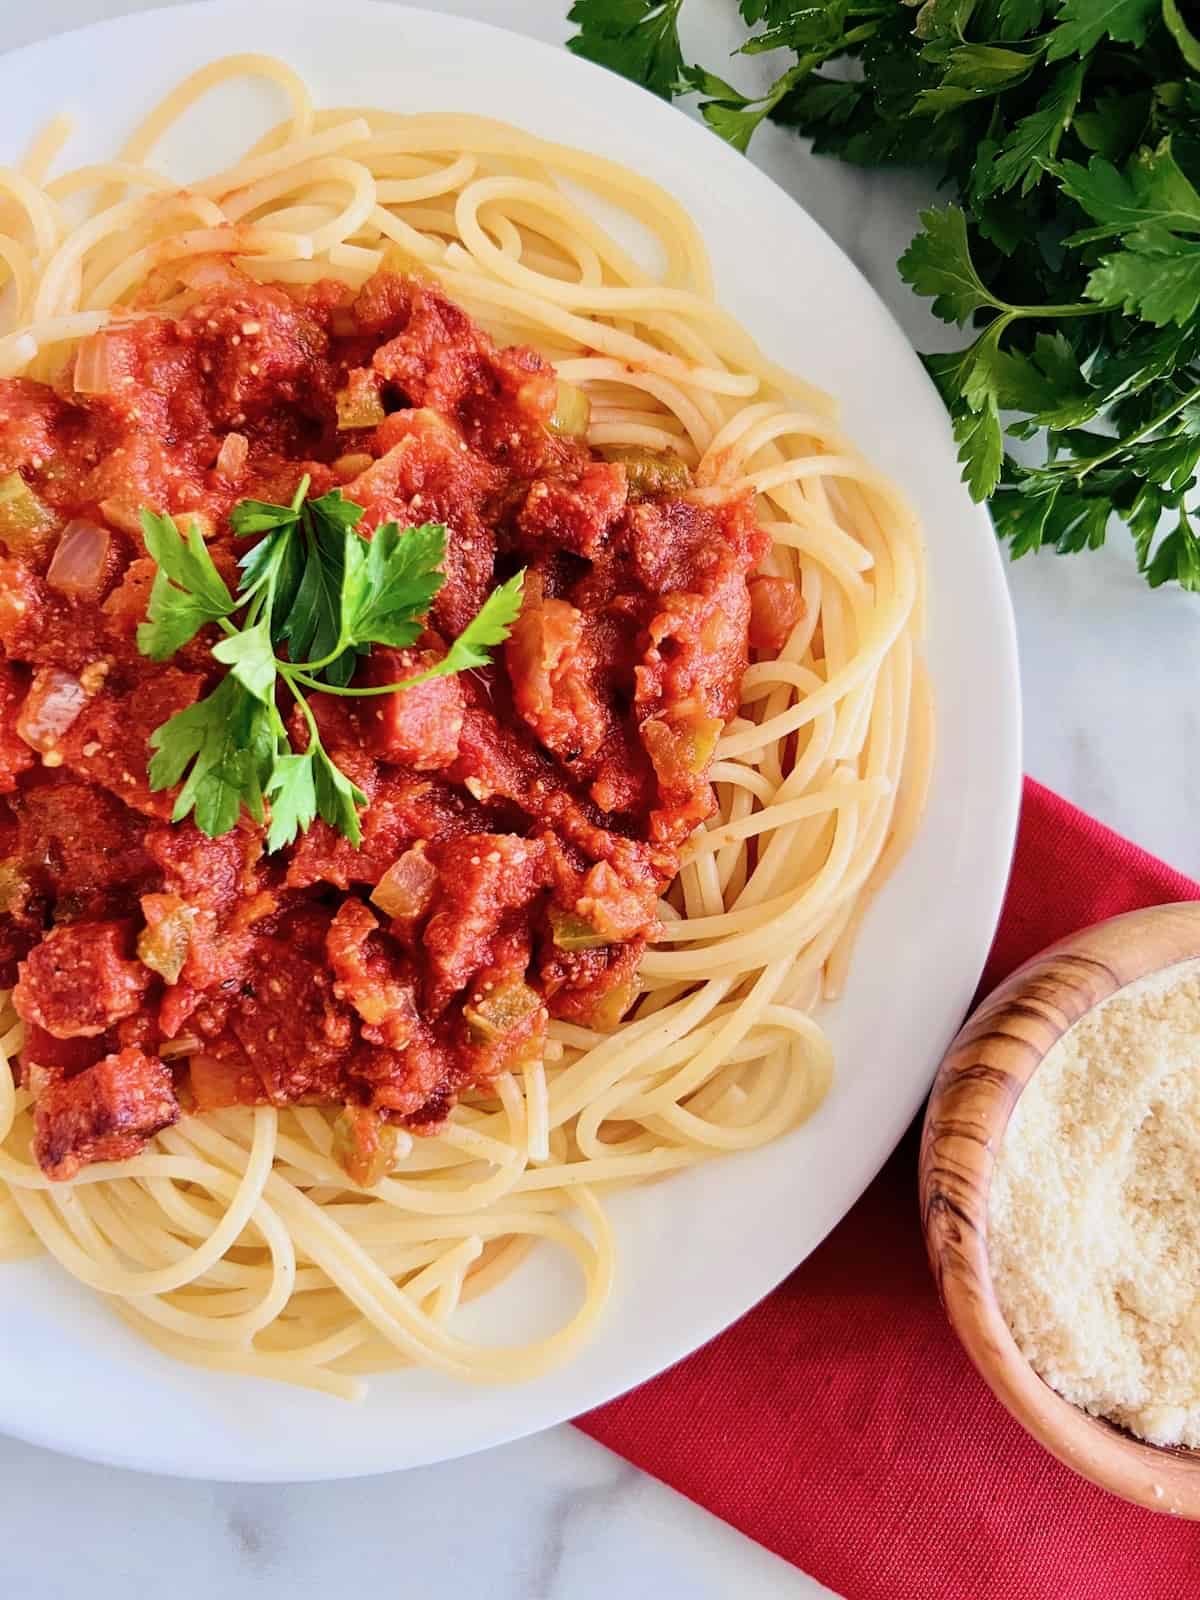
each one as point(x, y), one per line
point(1060, 1195)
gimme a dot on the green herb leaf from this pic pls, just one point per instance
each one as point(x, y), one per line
point(1083, 23)
point(938, 263)
point(637, 38)
point(390, 582)
point(980, 447)
point(490, 626)
point(293, 795)
point(250, 657)
point(1068, 132)
point(220, 743)
point(974, 71)
point(1035, 139)
point(1156, 277)
point(314, 583)
point(337, 798)
point(1152, 192)
point(187, 593)
point(1189, 45)
point(1019, 17)
point(313, 626)
point(1115, 123)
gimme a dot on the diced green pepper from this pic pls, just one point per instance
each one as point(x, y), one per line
point(499, 1011)
point(572, 411)
point(611, 1007)
point(650, 471)
point(359, 406)
point(25, 523)
point(573, 932)
point(364, 1146)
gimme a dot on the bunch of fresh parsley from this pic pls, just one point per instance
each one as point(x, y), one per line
point(1070, 133)
point(317, 587)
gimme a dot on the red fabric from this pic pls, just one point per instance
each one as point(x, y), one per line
point(840, 1424)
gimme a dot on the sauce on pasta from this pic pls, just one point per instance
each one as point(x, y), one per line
point(521, 820)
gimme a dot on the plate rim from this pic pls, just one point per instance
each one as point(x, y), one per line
point(1009, 737)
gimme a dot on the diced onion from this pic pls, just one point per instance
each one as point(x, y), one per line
point(123, 515)
point(186, 1044)
point(78, 564)
point(198, 521)
point(54, 701)
point(93, 369)
point(231, 457)
point(39, 1078)
point(209, 272)
point(164, 942)
point(350, 466)
point(406, 888)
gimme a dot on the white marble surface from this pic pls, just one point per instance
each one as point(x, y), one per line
point(1111, 721)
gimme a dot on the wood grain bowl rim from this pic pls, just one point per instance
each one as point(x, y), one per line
point(981, 1076)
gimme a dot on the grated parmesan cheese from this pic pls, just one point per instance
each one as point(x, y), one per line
point(1094, 1211)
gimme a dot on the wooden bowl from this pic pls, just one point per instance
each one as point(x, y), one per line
point(977, 1085)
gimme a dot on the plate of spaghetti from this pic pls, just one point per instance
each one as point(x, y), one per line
point(480, 891)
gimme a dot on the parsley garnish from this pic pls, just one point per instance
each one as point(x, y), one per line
point(1069, 131)
point(314, 584)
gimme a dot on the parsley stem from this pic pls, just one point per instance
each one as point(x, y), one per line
point(329, 688)
point(1129, 439)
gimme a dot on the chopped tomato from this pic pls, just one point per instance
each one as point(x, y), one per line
point(80, 980)
point(104, 1113)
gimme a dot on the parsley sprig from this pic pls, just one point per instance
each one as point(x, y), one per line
point(315, 585)
point(1069, 131)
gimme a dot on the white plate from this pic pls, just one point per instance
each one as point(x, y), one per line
point(698, 1250)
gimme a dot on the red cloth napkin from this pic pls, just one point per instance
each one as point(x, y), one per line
point(839, 1422)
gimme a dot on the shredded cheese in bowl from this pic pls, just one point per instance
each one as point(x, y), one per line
point(1094, 1211)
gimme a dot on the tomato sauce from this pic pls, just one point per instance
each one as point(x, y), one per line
point(521, 821)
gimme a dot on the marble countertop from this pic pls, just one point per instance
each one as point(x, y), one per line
point(1111, 722)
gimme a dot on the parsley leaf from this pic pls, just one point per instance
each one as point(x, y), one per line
point(292, 792)
point(489, 626)
point(222, 743)
point(250, 657)
point(187, 593)
point(1152, 191)
point(1156, 277)
point(1189, 45)
point(980, 446)
point(313, 626)
point(637, 38)
point(390, 581)
point(314, 584)
point(938, 263)
point(337, 798)
point(1035, 138)
point(1081, 24)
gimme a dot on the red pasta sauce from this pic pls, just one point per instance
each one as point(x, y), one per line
point(521, 821)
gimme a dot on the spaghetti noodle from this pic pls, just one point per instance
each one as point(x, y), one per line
point(236, 1241)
